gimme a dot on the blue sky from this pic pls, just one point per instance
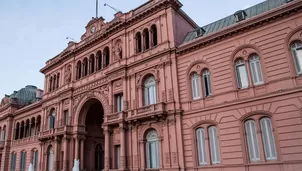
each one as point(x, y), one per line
point(33, 31)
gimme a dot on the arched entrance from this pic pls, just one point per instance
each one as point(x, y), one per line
point(92, 114)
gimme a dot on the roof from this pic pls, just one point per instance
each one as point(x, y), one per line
point(230, 20)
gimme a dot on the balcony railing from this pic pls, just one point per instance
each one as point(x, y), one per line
point(2, 143)
point(57, 131)
point(31, 139)
point(146, 112)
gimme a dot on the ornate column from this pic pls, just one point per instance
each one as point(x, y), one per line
point(96, 63)
point(19, 136)
point(15, 134)
point(107, 146)
point(24, 130)
point(76, 148)
point(66, 154)
point(40, 165)
point(35, 128)
point(123, 147)
point(82, 153)
point(29, 131)
point(56, 154)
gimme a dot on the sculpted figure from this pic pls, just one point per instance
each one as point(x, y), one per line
point(4, 101)
point(68, 74)
point(118, 52)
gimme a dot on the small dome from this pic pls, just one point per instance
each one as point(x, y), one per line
point(24, 96)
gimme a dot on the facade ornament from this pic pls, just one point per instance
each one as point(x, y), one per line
point(118, 52)
point(4, 101)
point(68, 74)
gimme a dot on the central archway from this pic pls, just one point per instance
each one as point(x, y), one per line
point(92, 113)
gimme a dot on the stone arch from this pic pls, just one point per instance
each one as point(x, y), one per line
point(89, 96)
point(142, 76)
point(253, 49)
point(202, 65)
point(148, 127)
point(256, 112)
point(197, 124)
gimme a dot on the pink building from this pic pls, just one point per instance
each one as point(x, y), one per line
point(151, 90)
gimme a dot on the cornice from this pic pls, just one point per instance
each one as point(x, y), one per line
point(99, 37)
point(29, 107)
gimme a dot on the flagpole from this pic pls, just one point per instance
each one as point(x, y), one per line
point(97, 5)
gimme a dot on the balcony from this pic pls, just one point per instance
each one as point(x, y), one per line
point(32, 139)
point(48, 134)
point(115, 117)
point(155, 111)
point(2, 143)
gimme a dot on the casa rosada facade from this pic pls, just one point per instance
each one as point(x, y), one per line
point(151, 90)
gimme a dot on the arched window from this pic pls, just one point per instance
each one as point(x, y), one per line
point(252, 140)
point(91, 63)
point(85, 67)
point(152, 149)
point(106, 56)
point(17, 131)
point(50, 84)
point(50, 158)
point(13, 161)
point(35, 160)
point(268, 139)
point(241, 74)
point(146, 39)
point(150, 90)
point(195, 81)
point(154, 35)
point(23, 161)
point(3, 133)
point(296, 49)
point(203, 146)
point(256, 69)
point(54, 82)
point(100, 59)
point(79, 71)
point(52, 118)
point(138, 38)
point(206, 83)
point(58, 80)
point(99, 157)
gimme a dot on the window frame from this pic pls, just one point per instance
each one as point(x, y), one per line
point(253, 60)
point(13, 161)
point(294, 47)
point(195, 86)
point(150, 91)
point(259, 135)
point(155, 141)
point(119, 103)
point(207, 146)
point(241, 63)
point(22, 163)
point(207, 88)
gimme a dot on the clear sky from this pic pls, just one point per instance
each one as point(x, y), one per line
point(33, 31)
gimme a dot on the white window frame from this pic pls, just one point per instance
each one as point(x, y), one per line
point(195, 83)
point(119, 103)
point(152, 150)
point(255, 66)
point(252, 140)
point(268, 139)
point(240, 63)
point(214, 145)
point(13, 161)
point(206, 83)
point(296, 49)
point(150, 91)
point(201, 147)
point(23, 161)
point(66, 115)
point(35, 160)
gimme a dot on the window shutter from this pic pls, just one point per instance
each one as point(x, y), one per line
point(238, 77)
point(268, 139)
point(259, 71)
point(146, 96)
point(209, 84)
point(214, 146)
point(201, 147)
point(298, 54)
point(193, 88)
point(148, 154)
point(254, 71)
point(154, 94)
point(252, 140)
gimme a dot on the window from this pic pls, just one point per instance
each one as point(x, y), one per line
point(58, 81)
point(118, 156)
point(13, 161)
point(99, 157)
point(35, 160)
point(252, 141)
point(206, 83)
point(297, 54)
point(85, 67)
point(152, 150)
point(23, 161)
point(203, 145)
point(241, 73)
point(106, 56)
point(256, 69)
point(119, 103)
point(52, 118)
point(195, 86)
point(150, 91)
point(66, 115)
point(50, 84)
point(91, 63)
point(79, 71)
point(3, 134)
point(138, 38)
point(146, 39)
point(154, 35)
point(267, 139)
point(99, 58)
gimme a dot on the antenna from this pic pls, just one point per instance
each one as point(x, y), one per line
point(97, 8)
point(112, 7)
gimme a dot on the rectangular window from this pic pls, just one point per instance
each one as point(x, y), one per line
point(13, 162)
point(118, 156)
point(66, 115)
point(242, 77)
point(119, 102)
